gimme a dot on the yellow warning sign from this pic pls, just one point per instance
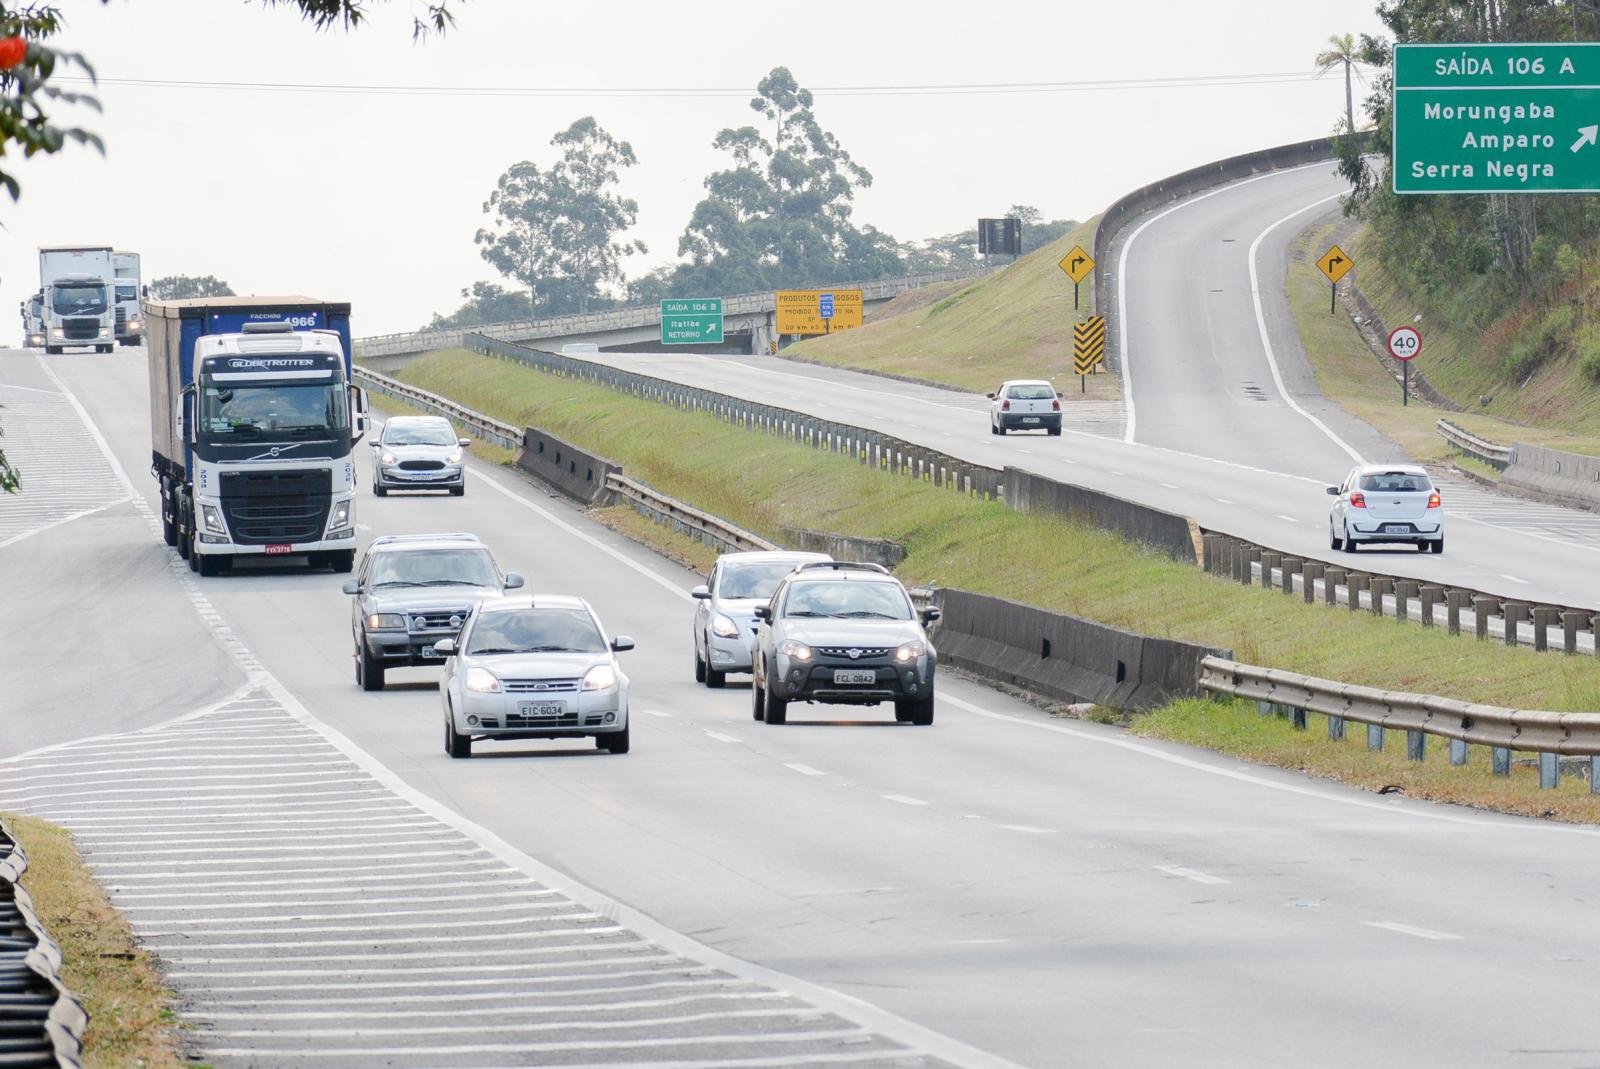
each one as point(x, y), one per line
point(817, 311)
point(1077, 263)
point(1088, 344)
point(1335, 263)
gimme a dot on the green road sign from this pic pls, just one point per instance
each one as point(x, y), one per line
point(1497, 118)
point(693, 321)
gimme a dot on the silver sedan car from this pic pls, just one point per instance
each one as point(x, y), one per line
point(1386, 503)
point(419, 453)
point(725, 609)
point(536, 667)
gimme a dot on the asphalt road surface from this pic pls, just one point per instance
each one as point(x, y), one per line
point(1044, 892)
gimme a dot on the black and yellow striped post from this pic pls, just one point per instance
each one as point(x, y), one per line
point(1088, 348)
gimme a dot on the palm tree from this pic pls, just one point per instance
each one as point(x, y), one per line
point(1343, 51)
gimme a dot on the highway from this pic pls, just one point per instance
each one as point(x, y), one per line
point(1002, 887)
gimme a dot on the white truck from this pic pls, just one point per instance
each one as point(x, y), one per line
point(78, 307)
point(130, 320)
point(33, 322)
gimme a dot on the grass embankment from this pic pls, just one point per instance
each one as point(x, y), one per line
point(131, 1020)
point(1558, 407)
point(984, 546)
point(1015, 323)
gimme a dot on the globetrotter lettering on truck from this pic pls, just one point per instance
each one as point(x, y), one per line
point(1485, 118)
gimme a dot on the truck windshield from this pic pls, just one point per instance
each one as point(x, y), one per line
point(250, 411)
point(85, 300)
point(127, 293)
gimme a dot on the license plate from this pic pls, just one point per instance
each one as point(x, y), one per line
point(1030, 419)
point(855, 677)
point(1396, 528)
point(277, 548)
point(427, 651)
point(541, 709)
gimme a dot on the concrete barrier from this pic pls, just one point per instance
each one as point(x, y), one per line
point(1166, 531)
point(843, 547)
point(579, 475)
point(1554, 475)
point(1062, 656)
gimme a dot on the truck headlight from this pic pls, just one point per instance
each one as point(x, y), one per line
point(57, 332)
point(340, 516)
point(105, 332)
point(212, 517)
point(600, 677)
point(798, 650)
point(723, 627)
point(483, 681)
point(134, 324)
point(910, 651)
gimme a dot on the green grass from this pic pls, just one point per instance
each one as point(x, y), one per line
point(1016, 323)
point(984, 546)
point(1348, 373)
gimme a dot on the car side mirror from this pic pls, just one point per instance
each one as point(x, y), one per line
point(445, 647)
point(930, 614)
point(701, 592)
point(352, 586)
point(513, 580)
point(620, 644)
point(764, 612)
point(375, 443)
point(990, 396)
point(1059, 395)
point(463, 442)
point(1333, 491)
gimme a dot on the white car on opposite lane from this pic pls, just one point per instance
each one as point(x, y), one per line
point(1386, 503)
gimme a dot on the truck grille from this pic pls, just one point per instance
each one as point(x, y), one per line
point(539, 686)
point(276, 506)
point(421, 465)
point(80, 328)
point(122, 320)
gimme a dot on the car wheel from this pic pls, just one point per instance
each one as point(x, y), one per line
point(616, 742)
point(758, 708)
point(1000, 429)
point(699, 666)
point(457, 491)
point(369, 671)
point(916, 712)
point(378, 489)
point(1053, 432)
point(1437, 545)
point(1333, 538)
point(455, 744)
point(992, 428)
point(774, 709)
point(714, 679)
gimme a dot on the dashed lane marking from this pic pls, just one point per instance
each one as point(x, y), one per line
point(1190, 874)
point(1406, 929)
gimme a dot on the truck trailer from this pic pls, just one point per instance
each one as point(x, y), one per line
point(252, 419)
point(79, 305)
point(130, 320)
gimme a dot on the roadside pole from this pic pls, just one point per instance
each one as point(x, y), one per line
point(1404, 345)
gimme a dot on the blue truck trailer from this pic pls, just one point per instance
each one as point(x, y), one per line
point(253, 417)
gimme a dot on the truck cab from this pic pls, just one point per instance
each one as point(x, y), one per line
point(33, 322)
point(78, 311)
point(130, 317)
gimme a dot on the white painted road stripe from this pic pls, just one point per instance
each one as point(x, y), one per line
point(1189, 874)
point(719, 736)
point(805, 770)
point(904, 799)
point(1406, 929)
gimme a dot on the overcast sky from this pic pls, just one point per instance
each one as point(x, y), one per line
point(373, 197)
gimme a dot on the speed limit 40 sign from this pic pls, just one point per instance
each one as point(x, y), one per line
point(1405, 343)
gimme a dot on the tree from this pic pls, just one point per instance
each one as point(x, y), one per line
point(183, 287)
point(1343, 51)
point(556, 231)
point(486, 302)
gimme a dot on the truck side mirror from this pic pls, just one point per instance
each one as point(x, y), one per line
point(144, 291)
point(362, 421)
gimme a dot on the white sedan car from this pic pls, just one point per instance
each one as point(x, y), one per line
point(1386, 503)
point(1025, 405)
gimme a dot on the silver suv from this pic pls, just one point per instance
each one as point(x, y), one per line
point(419, 453)
point(843, 634)
point(725, 609)
point(413, 591)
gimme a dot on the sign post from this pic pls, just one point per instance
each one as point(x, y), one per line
point(1077, 264)
point(1334, 264)
point(692, 321)
point(1404, 345)
point(1514, 117)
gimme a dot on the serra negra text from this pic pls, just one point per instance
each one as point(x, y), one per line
point(1503, 141)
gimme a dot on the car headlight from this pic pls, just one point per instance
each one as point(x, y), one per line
point(453, 458)
point(213, 519)
point(798, 650)
point(386, 621)
point(483, 681)
point(723, 627)
point(600, 677)
point(340, 516)
point(388, 458)
point(910, 651)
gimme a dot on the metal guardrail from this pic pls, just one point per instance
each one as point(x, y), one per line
point(1493, 454)
point(685, 519)
point(1404, 598)
point(41, 1023)
point(492, 430)
point(1549, 734)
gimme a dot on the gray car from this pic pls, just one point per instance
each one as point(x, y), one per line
point(419, 453)
point(843, 634)
point(410, 592)
point(534, 667)
point(725, 609)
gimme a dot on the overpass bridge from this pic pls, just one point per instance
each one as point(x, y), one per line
point(747, 325)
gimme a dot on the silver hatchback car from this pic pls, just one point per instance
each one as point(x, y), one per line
point(533, 667)
point(725, 609)
point(419, 453)
point(1386, 503)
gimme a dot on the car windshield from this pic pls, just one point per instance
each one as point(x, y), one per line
point(1032, 393)
point(536, 631)
point(1390, 482)
point(429, 433)
point(753, 580)
point(87, 300)
point(305, 410)
point(434, 567)
point(848, 599)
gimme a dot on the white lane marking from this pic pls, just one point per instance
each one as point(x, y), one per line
point(1122, 284)
point(804, 770)
point(1266, 340)
point(378, 1015)
point(657, 712)
point(1513, 578)
point(14, 539)
point(1481, 824)
point(1120, 474)
point(1028, 451)
point(1286, 519)
point(1029, 828)
point(1406, 929)
point(478, 1030)
point(1224, 501)
point(30, 389)
point(685, 976)
point(845, 1035)
point(1169, 486)
point(1190, 874)
point(904, 799)
point(812, 380)
point(719, 736)
point(979, 942)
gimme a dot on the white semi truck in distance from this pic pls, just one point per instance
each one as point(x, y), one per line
point(130, 320)
point(33, 322)
point(79, 305)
